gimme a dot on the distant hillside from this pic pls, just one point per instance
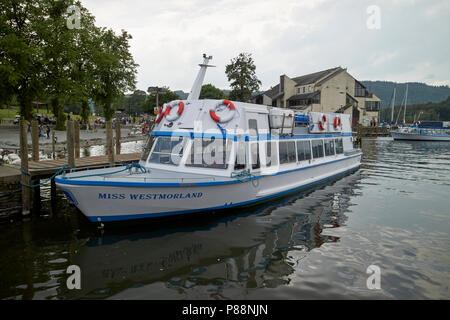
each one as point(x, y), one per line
point(418, 93)
point(439, 111)
point(183, 95)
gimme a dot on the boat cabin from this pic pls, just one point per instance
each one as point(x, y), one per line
point(221, 138)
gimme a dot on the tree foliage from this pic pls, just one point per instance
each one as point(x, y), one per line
point(211, 92)
point(149, 104)
point(242, 74)
point(41, 56)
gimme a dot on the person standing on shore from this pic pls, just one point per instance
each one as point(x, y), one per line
point(47, 129)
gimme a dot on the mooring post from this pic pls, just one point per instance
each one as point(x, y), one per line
point(76, 138)
point(117, 137)
point(35, 140)
point(53, 145)
point(26, 192)
point(109, 141)
point(70, 145)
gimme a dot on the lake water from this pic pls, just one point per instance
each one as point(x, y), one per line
point(393, 213)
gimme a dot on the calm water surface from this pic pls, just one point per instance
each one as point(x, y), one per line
point(394, 213)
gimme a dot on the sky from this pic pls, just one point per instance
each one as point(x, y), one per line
point(392, 40)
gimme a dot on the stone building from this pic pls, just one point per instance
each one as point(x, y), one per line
point(332, 90)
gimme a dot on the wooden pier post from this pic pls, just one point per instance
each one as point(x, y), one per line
point(77, 138)
point(35, 140)
point(70, 145)
point(109, 141)
point(26, 192)
point(117, 137)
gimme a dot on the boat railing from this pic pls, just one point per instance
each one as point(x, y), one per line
point(159, 179)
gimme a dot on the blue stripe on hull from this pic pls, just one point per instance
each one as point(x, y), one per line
point(232, 205)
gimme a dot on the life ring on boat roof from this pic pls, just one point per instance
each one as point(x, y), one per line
point(228, 117)
point(337, 122)
point(321, 127)
point(161, 114)
point(170, 116)
point(324, 118)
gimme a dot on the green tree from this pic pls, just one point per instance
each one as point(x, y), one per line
point(242, 74)
point(85, 111)
point(115, 69)
point(21, 58)
point(149, 104)
point(133, 103)
point(211, 92)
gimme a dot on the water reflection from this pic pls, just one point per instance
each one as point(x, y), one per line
point(249, 246)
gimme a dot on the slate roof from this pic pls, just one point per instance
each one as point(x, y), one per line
point(304, 96)
point(314, 77)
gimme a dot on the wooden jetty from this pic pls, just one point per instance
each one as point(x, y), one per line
point(31, 171)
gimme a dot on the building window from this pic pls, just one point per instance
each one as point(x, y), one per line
point(372, 105)
point(360, 91)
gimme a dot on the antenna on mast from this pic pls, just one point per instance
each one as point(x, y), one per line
point(197, 86)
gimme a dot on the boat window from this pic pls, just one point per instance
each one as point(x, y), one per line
point(253, 127)
point(303, 150)
point(147, 147)
point(271, 154)
point(209, 153)
point(254, 149)
point(287, 152)
point(317, 148)
point(329, 147)
point(168, 150)
point(240, 156)
point(339, 146)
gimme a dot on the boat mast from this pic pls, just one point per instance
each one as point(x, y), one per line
point(392, 106)
point(404, 110)
point(197, 86)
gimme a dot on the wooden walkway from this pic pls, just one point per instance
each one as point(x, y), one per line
point(44, 168)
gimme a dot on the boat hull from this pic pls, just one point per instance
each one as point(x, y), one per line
point(103, 203)
point(420, 137)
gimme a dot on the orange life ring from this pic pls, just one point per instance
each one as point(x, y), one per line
point(218, 119)
point(321, 127)
point(161, 115)
point(337, 122)
point(177, 114)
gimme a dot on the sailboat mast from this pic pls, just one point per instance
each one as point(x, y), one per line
point(404, 110)
point(392, 106)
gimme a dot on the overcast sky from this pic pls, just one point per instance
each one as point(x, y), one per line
point(284, 37)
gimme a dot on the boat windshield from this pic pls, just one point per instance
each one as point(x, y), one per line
point(168, 150)
point(209, 153)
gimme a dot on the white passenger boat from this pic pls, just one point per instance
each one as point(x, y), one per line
point(206, 155)
point(424, 131)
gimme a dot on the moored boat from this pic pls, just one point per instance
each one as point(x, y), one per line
point(205, 155)
point(424, 131)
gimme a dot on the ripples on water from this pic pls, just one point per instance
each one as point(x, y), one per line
point(393, 213)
